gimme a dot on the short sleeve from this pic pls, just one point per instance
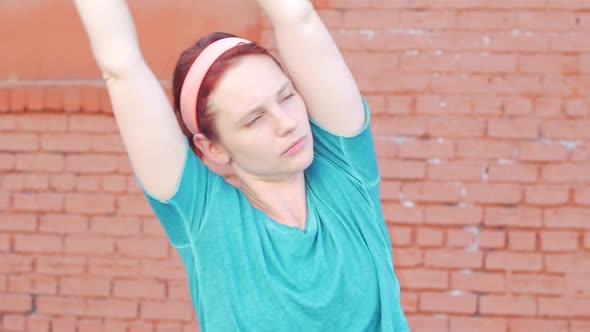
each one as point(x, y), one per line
point(354, 155)
point(181, 214)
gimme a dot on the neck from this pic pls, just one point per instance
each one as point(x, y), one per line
point(284, 200)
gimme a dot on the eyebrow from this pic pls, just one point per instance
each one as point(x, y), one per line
point(260, 108)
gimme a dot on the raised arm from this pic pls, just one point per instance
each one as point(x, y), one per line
point(151, 134)
point(316, 66)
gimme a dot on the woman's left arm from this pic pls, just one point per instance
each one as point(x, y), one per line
point(316, 66)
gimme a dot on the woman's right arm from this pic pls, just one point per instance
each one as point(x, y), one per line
point(151, 134)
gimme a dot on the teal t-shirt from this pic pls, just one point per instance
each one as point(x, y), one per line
point(247, 272)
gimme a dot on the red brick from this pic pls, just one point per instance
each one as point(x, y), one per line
point(115, 326)
point(548, 64)
point(460, 83)
point(140, 326)
point(542, 152)
point(547, 21)
point(486, 19)
point(88, 183)
point(513, 173)
point(18, 222)
point(548, 107)
point(11, 322)
point(577, 107)
point(90, 98)
point(39, 323)
point(33, 284)
point(567, 218)
point(85, 286)
point(63, 182)
point(513, 217)
point(448, 303)
point(115, 225)
point(547, 194)
point(390, 190)
point(5, 200)
point(437, 192)
point(93, 163)
point(400, 214)
point(169, 327)
point(459, 127)
point(38, 243)
point(176, 310)
point(582, 195)
point(451, 215)
point(427, 237)
point(66, 142)
point(108, 143)
point(113, 308)
point(429, 323)
point(90, 203)
point(93, 245)
point(568, 263)
point(453, 258)
point(478, 149)
point(428, 62)
point(138, 289)
point(90, 325)
point(514, 128)
point(369, 19)
point(507, 305)
point(29, 181)
point(518, 106)
point(581, 153)
point(4, 243)
point(460, 238)
point(15, 303)
point(457, 170)
point(63, 223)
point(43, 162)
point(60, 265)
point(492, 239)
point(426, 149)
point(179, 290)
point(566, 129)
point(397, 169)
point(54, 305)
point(18, 142)
point(11, 263)
point(578, 326)
point(485, 282)
point(487, 63)
point(7, 162)
point(480, 324)
point(42, 123)
point(404, 126)
point(115, 267)
point(508, 41)
point(537, 325)
point(143, 247)
point(569, 42)
point(493, 193)
point(133, 205)
point(559, 241)
point(92, 123)
point(522, 240)
point(587, 240)
point(422, 279)
point(172, 269)
point(564, 307)
point(114, 183)
point(399, 105)
point(65, 324)
point(511, 261)
point(41, 202)
point(385, 148)
point(537, 284)
point(400, 235)
point(443, 105)
point(408, 257)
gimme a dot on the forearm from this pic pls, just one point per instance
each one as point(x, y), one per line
point(112, 35)
point(287, 12)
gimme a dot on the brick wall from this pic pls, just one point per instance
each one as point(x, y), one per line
point(481, 119)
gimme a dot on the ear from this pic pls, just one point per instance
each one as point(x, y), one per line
point(212, 150)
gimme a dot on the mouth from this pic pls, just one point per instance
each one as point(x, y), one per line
point(294, 148)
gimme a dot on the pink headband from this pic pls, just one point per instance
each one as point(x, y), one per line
point(192, 83)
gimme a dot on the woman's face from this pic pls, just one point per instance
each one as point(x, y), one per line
point(259, 116)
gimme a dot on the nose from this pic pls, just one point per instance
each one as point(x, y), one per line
point(285, 122)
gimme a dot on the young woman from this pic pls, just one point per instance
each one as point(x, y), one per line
point(298, 242)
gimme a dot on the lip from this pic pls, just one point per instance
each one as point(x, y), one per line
point(295, 147)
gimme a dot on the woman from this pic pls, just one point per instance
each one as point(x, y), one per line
point(298, 243)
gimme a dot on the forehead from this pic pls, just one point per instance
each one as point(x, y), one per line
point(247, 84)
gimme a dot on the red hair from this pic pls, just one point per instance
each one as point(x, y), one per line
point(205, 119)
